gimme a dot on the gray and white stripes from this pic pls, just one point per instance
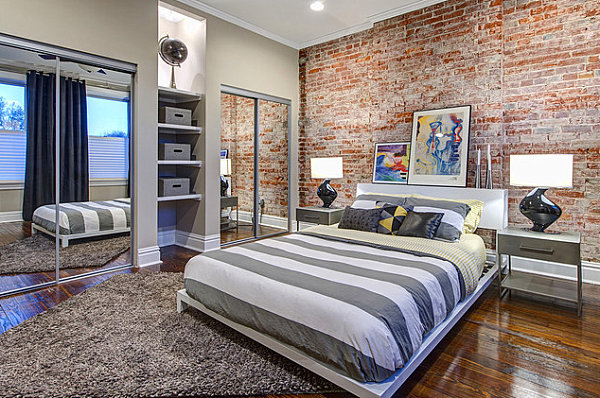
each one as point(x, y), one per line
point(361, 309)
point(85, 217)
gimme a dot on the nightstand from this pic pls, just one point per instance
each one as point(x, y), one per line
point(561, 248)
point(318, 215)
point(230, 201)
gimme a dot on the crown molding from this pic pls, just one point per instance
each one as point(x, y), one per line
point(336, 35)
point(198, 5)
point(413, 6)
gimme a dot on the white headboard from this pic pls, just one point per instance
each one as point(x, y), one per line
point(495, 201)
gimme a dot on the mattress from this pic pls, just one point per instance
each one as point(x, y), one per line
point(85, 217)
point(362, 306)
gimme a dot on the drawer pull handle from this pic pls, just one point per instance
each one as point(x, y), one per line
point(312, 217)
point(537, 250)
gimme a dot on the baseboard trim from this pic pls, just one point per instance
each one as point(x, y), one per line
point(201, 243)
point(148, 256)
point(267, 220)
point(11, 216)
point(591, 270)
point(166, 236)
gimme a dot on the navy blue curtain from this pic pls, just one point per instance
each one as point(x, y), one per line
point(40, 161)
point(74, 164)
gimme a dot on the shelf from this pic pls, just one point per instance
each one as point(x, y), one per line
point(167, 94)
point(195, 196)
point(541, 285)
point(191, 163)
point(165, 128)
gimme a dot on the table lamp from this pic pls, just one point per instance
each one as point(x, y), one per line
point(543, 171)
point(326, 168)
point(225, 166)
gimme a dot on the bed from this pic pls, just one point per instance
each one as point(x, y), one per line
point(80, 220)
point(359, 308)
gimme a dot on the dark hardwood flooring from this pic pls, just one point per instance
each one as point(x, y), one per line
point(518, 346)
point(244, 231)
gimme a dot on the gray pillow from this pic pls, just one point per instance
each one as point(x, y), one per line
point(360, 219)
point(453, 219)
point(420, 225)
point(373, 201)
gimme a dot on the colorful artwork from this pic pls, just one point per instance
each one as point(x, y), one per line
point(440, 147)
point(391, 162)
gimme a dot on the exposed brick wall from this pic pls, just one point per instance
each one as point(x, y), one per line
point(237, 135)
point(273, 157)
point(530, 70)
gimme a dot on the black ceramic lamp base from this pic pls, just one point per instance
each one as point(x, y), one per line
point(326, 193)
point(539, 209)
point(224, 186)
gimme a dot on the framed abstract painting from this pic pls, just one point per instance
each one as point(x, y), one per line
point(391, 162)
point(440, 147)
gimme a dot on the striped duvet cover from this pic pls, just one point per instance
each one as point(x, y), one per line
point(359, 307)
point(85, 217)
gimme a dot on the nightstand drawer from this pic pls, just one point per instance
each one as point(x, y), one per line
point(317, 215)
point(541, 249)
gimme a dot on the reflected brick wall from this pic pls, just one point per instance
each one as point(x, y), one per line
point(237, 135)
point(530, 70)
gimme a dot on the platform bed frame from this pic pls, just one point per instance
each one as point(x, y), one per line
point(494, 217)
point(64, 239)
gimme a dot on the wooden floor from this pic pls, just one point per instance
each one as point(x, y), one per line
point(244, 231)
point(518, 346)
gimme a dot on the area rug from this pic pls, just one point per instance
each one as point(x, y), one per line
point(124, 338)
point(36, 254)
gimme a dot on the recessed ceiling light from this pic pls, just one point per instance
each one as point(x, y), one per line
point(317, 6)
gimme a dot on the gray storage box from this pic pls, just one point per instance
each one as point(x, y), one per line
point(173, 186)
point(170, 115)
point(170, 151)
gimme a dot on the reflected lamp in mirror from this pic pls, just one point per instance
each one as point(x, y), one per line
point(327, 169)
point(542, 171)
point(225, 166)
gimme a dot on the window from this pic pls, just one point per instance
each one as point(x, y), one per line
point(108, 135)
point(12, 132)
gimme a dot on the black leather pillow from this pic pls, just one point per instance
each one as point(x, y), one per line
point(420, 225)
point(360, 219)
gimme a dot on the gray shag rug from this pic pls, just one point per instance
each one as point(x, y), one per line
point(36, 254)
point(124, 338)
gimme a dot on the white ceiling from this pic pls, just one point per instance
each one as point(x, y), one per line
point(293, 23)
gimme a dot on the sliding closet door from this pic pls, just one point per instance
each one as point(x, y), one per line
point(27, 177)
point(255, 143)
point(272, 211)
point(237, 167)
point(94, 176)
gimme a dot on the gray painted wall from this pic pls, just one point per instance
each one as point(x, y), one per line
point(124, 30)
point(239, 58)
point(12, 199)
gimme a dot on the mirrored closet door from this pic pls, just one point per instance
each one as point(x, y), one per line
point(94, 174)
point(272, 168)
point(254, 165)
point(26, 259)
point(65, 129)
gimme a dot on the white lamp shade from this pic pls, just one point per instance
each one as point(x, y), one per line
point(327, 168)
point(543, 171)
point(225, 167)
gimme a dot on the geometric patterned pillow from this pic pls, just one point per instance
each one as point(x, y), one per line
point(391, 218)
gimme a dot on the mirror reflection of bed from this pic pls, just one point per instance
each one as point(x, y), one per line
point(93, 185)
